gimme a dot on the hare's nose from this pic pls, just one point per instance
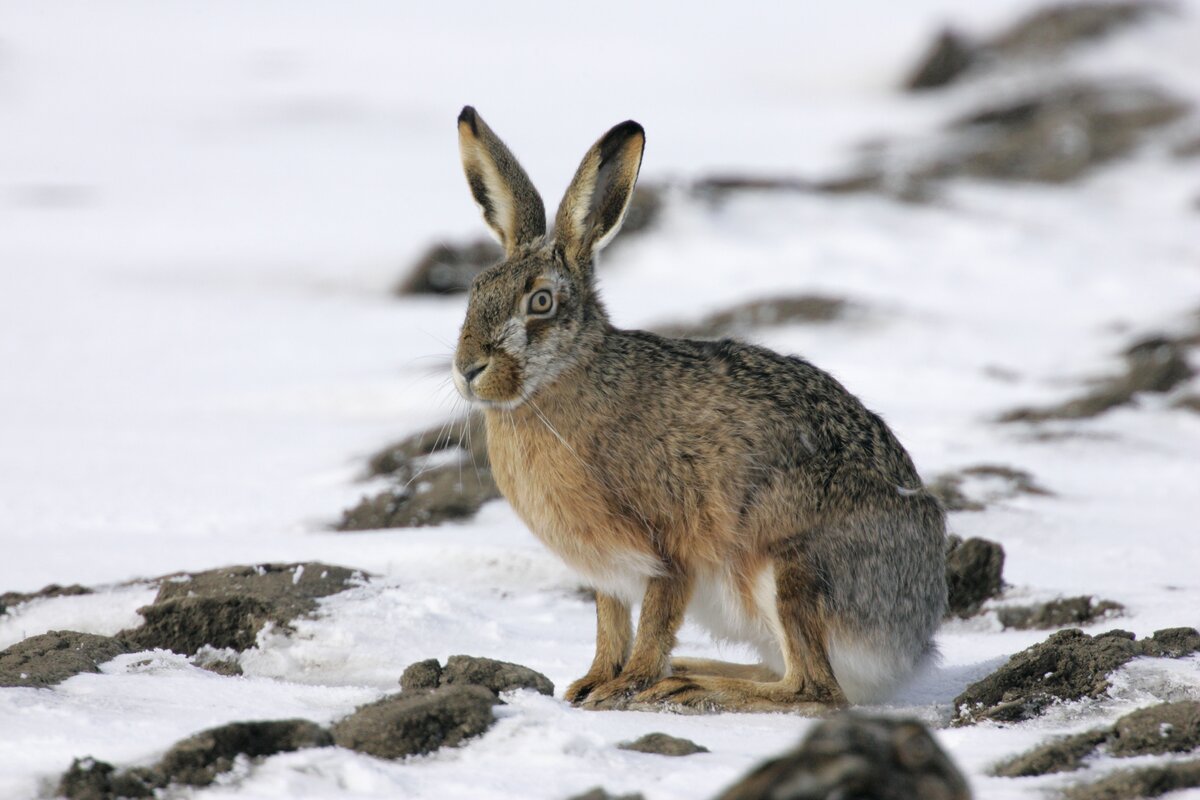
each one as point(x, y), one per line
point(472, 372)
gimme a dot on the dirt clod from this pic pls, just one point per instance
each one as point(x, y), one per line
point(1070, 665)
point(89, 779)
point(449, 268)
point(663, 745)
point(496, 676)
point(421, 675)
point(417, 722)
point(974, 573)
point(853, 755)
point(227, 607)
point(1136, 783)
point(198, 759)
point(10, 599)
point(1156, 364)
point(1082, 610)
point(50, 658)
point(948, 57)
point(599, 793)
point(974, 488)
point(1058, 755)
point(757, 314)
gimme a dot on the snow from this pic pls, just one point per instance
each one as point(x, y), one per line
point(202, 206)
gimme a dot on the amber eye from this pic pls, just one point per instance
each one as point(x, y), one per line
point(541, 302)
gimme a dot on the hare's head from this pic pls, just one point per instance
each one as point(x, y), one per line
point(536, 313)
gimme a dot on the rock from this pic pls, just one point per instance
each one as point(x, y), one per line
point(449, 268)
point(53, 657)
point(198, 759)
point(1070, 665)
point(601, 794)
point(948, 57)
point(1136, 783)
point(1059, 755)
point(496, 676)
point(11, 599)
point(227, 607)
point(973, 488)
point(421, 675)
point(974, 573)
point(757, 314)
point(663, 745)
point(89, 779)
point(442, 494)
point(1059, 613)
point(1155, 364)
point(1164, 728)
point(417, 722)
point(853, 755)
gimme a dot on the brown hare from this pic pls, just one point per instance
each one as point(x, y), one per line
point(720, 480)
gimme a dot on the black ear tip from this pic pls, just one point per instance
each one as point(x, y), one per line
point(469, 116)
point(618, 136)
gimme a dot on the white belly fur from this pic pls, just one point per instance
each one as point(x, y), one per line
point(718, 607)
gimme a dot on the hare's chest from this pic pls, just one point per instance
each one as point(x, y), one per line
point(563, 501)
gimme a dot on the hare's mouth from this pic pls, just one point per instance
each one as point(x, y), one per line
point(496, 382)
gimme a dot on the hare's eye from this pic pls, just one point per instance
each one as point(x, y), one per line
point(541, 302)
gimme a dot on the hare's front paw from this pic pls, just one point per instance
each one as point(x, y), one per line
point(582, 688)
point(616, 694)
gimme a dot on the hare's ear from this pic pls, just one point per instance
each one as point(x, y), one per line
point(511, 206)
point(594, 206)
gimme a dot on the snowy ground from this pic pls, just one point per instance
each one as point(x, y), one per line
point(202, 206)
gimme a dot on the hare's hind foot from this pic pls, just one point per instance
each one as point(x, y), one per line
point(691, 667)
point(707, 694)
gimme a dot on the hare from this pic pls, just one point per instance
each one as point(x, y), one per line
point(715, 479)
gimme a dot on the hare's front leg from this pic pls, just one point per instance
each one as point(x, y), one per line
point(662, 613)
point(614, 633)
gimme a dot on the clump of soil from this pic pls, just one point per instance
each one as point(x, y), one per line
point(227, 607)
point(427, 493)
point(195, 761)
point(10, 599)
point(974, 574)
point(1070, 665)
point(603, 794)
point(1144, 782)
point(854, 755)
point(1155, 364)
point(50, 658)
point(765, 313)
point(447, 268)
point(973, 488)
point(418, 721)
point(495, 676)
point(1045, 33)
point(1082, 610)
point(663, 745)
point(1164, 728)
point(441, 494)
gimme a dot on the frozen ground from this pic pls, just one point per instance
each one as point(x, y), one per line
point(201, 208)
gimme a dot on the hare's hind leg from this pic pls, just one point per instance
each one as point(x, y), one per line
point(693, 667)
point(807, 685)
